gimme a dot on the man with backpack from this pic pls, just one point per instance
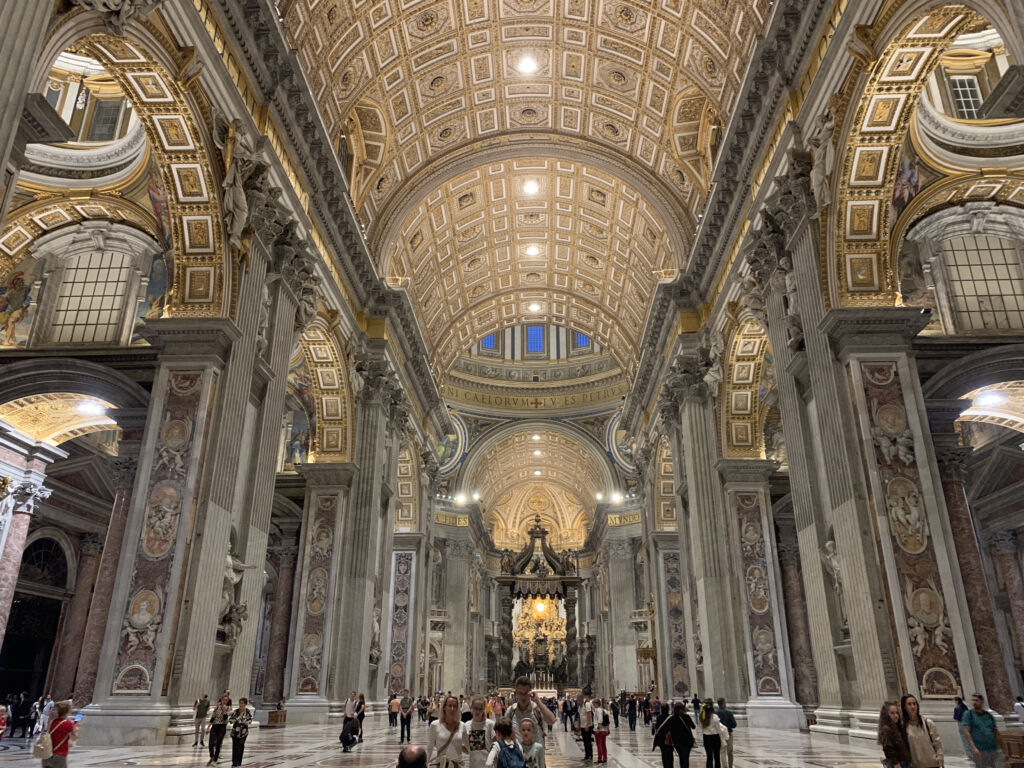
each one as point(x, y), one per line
point(528, 705)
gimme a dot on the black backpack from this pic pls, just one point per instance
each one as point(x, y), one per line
point(604, 718)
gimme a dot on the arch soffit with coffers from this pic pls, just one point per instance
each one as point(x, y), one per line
point(741, 411)
point(143, 63)
point(25, 378)
point(860, 272)
point(332, 395)
point(997, 365)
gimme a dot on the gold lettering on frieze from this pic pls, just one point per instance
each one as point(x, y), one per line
point(531, 402)
point(453, 520)
point(624, 518)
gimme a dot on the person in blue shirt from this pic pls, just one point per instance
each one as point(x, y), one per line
point(982, 734)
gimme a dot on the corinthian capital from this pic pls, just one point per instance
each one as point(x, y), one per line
point(685, 378)
point(793, 200)
point(117, 13)
point(294, 261)
point(26, 495)
point(1004, 542)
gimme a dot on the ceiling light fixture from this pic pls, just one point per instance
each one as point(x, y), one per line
point(476, 495)
point(987, 399)
point(536, 471)
point(531, 187)
point(535, 307)
point(599, 496)
point(527, 65)
point(537, 452)
point(532, 250)
point(536, 437)
point(616, 497)
point(90, 408)
point(460, 499)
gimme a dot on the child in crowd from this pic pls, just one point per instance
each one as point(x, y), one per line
point(481, 733)
point(505, 752)
point(533, 751)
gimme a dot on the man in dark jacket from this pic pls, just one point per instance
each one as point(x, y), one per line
point(349, 734)
point(728, 719)
point(674, 732)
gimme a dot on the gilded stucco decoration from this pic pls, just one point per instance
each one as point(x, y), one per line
point(585, 250)
point(560, 512)
point(332, 395)
point(407, 490)
point(863, 269)
point(741, 407)
point(665, 488)
point(58, 416)
point(556, 458)
point(178, 147)
point(453, 73)
point(56, 212)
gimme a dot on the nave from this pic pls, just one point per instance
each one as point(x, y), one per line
point(308, 746)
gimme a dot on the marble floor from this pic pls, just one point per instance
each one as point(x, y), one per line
point(307, 746)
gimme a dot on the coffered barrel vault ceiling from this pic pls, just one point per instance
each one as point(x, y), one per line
point(583, 250)
point(413, 86)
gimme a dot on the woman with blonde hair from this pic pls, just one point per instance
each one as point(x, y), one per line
point(446, 738)
point(713, 733)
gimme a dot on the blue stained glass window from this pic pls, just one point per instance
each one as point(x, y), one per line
point(535, 338)
point(487, 342)
point(582, 340)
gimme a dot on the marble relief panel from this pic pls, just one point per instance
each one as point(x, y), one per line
point(920, 600)
point(401, 616)
point(747, 507)
point(314, 604)
point(673, 580)
point(148, 599)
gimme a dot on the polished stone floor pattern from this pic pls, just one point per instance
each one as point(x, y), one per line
point(307, 746)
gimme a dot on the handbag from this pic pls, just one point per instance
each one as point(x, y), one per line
point(443, 761)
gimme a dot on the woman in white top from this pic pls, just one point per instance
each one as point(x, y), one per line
point(479, 733)
point(446, 738)
point(600, 730)
point(713, 732)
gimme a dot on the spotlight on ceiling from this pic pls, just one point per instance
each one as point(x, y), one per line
point(536, 471)
point(616, 497)
point(535, 307)
point(536, 437)
point(527, 65)
point(460, 498)
point(599, 496)
point(531, 187)
point(89, 408)
point(537, 452)
point(532, 250)
point(987, 399)
point(476, 495)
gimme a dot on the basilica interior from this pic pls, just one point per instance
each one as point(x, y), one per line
point(658, 346)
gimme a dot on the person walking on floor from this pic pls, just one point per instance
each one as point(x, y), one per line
point(614, 707)
point(982, 734)
point(447, 738)
point(586, 720)
point(601, 723)
point(713, 734)
point(479, 733)
point(350, 710)
point(63, 733)
point(729, 721)
point(505, 752)
point(922, 736)
point(631, 711)
point(361, 713)
point(239, 721)
point(958, 712)
point(892, 738)
point(393, 708)
point(405, 716)
point(199, 709)
point(218, 726)
point(674, 733)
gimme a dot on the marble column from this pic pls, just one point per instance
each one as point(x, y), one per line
point(620, 556)
point(89, 549)
point(320, 583)
point(505, 659)
point(1006, 558)
point(456, 633)
point(23, 26)
point(799, 631)
point(124, 467)
point(277, 651)
point(952, 459)
point(22, 496)
point(361, 549)
point(717, 594)
point(772, 702)
point(571, 642)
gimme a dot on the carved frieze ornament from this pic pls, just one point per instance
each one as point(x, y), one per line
point(26, 495)
point(117, 13)
point(294, 261)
